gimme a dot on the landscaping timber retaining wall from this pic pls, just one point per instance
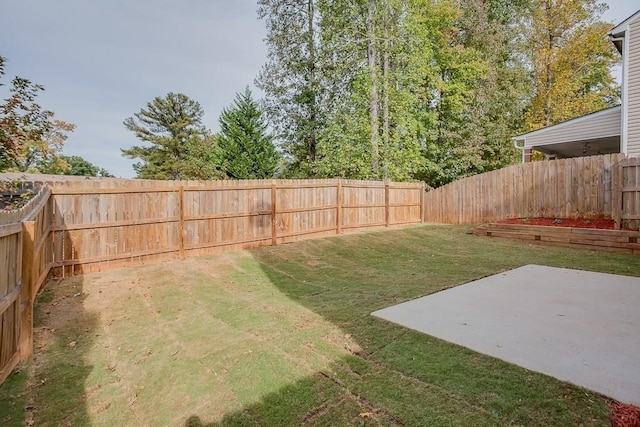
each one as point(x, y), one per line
point(584, 238)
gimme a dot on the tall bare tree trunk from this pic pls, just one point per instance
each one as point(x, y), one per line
point(372, 54)
point(548, 69)
point(312, 140)
point(385, 101)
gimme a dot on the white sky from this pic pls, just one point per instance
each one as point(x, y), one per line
point(101, 61)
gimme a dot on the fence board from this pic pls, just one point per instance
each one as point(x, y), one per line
point(567, 188)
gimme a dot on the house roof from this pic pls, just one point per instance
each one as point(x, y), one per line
point(617, 33)
point(595, 133)
point(621, 27)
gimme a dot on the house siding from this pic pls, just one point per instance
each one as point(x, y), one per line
point(633, 90)
point(602, 126)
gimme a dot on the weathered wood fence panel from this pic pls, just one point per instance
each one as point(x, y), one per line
point(99, 225)
point(10, 287)
point(23, 270)
point(568, 188)
point(627, 189)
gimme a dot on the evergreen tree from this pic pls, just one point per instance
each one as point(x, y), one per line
point(246, 150)
point(173, 126)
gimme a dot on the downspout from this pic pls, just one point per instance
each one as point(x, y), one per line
point(520, 147)
point(625, 90)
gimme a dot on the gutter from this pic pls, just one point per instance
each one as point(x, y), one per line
point(520, 147)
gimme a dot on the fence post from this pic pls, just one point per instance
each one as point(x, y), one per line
point(181, 222)
point(274, 196)
point(339, 207)
point(616, 196)
point(422, 206)
point(27, 294)
point(386, 203)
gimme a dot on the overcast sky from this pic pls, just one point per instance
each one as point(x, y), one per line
point(101, 61)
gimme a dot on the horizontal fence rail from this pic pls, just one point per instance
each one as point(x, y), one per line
point(102, 224)
point(569, 188)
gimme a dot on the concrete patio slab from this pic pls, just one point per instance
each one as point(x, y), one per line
point(577, 326)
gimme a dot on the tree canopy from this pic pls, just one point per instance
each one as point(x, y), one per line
point(426, 89)
point(75, 166)
point(178, 142)
point(30, 136)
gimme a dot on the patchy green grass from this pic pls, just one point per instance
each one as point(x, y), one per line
point(283, 336)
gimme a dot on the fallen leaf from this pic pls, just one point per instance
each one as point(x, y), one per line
point(72, 344)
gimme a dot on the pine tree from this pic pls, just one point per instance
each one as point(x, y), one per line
point(173, 126)
point(246, 150)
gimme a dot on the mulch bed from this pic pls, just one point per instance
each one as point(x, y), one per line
point(596, 222)
point(624, 415)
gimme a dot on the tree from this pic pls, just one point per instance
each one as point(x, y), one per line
point(291, 79)
point(75, 166)
point(369, 128)
point(247, 151)
point(569, 56)
point(173, 126)
point(492, 28)
point(29, 135)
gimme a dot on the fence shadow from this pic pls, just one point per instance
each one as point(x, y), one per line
point(63, 335)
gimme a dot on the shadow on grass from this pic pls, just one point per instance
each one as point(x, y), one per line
point(405, 377)
point(51, 388)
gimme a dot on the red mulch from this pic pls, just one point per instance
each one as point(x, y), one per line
point(596, 222)
point(624, 415)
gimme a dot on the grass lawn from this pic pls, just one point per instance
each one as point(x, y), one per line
point(283, 336)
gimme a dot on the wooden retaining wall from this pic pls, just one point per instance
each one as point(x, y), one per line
point(584, 238)
point(569, 188)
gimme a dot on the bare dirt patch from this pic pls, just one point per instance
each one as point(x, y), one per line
point(162, 343)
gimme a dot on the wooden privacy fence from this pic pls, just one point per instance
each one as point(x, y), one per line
point(113, 223)
point(569, 188)
point(25, 262)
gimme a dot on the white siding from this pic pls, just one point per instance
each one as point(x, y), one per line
point(598, 125)
point(633, 90)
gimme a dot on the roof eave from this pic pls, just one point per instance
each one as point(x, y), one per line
point(619, 29)
point(610, 110)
